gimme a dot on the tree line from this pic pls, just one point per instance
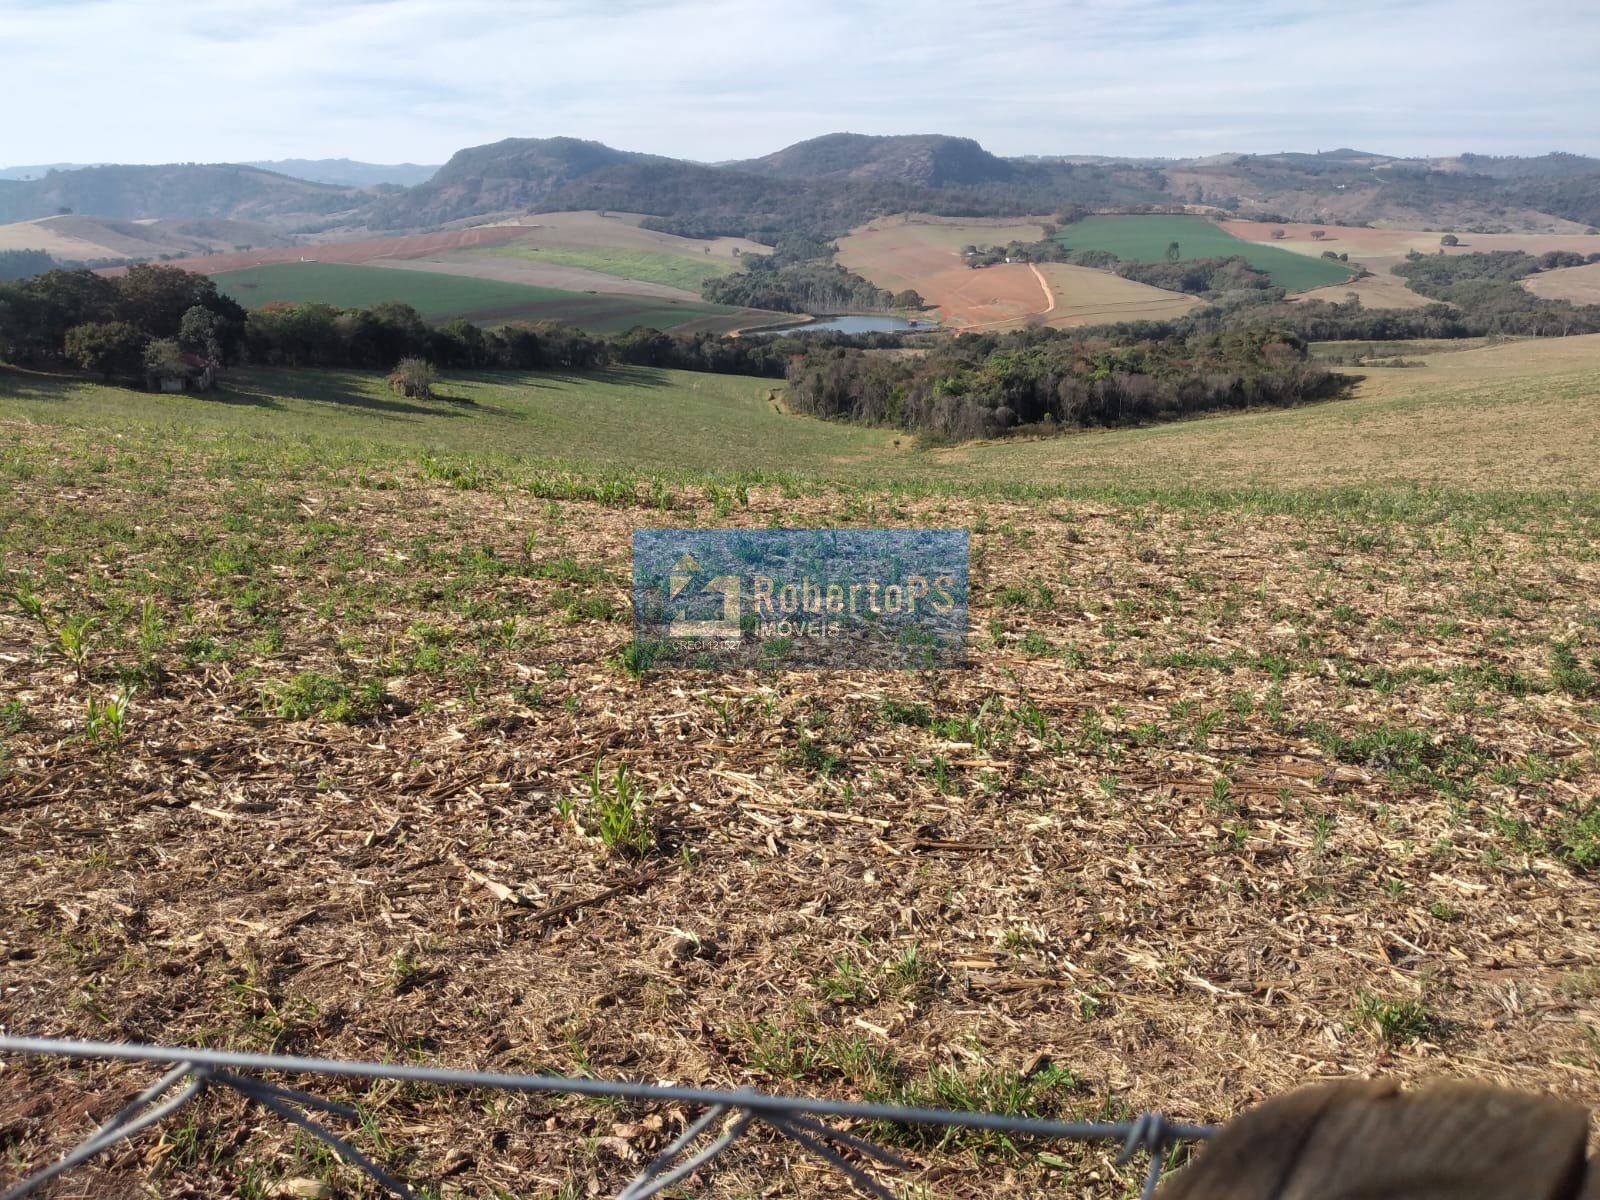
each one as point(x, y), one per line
point(143, 318)
point(139, 322)
point(978, 385)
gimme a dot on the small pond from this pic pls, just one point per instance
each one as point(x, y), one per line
point(849, 323)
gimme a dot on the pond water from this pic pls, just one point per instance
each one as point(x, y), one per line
point(848, 323)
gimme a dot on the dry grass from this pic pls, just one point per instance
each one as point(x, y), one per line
point(1230, 784)
point(1378, 290)
point(74, 238)
point(1085, 296)
point(1581, 285)
point(1512, 417)
point(42, 234)
point(1365, 245)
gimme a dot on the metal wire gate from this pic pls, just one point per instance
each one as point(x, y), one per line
point(726, 1115)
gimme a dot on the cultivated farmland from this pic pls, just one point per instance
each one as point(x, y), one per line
point(441, 296)
point(1084, 296)
point(1146, 239)
point(924, 254)
point(674, 270)
point(1277, 761)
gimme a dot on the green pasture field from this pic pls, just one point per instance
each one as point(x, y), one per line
point(643, 419)
point(673, 270)
point(440, 297)
point(1146, 238)
point(1512, 418)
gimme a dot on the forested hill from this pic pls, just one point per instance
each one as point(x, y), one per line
point(827, 185)
point(925, 160)
point(349, 173)
point(830, 183)
point(179, 190)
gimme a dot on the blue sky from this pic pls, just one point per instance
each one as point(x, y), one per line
point(415, 80)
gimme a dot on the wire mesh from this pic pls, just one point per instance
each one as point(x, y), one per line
point(726, 1118)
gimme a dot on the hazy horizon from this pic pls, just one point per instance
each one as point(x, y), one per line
point(413, 81)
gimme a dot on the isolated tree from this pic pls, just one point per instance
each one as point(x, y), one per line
point(107, 347)
point(1279, 234)
point(1449, 239)
point(1319, 234)
point(416, 377)
point(1173, 253)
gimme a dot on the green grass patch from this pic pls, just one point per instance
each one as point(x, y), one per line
point(440, 297)
point(673, 270)
point(519, 427)
point(1146, 238)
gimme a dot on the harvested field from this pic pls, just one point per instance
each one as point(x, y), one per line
point(995, 297)
point(73, 238)
point(353, 253)
point(1243, 788)
point(1581, 285)
point(1392, 244)
point(924, 253)
point(1085, 296)
point(47, 234)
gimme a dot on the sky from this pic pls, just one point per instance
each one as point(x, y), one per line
point(415, 80)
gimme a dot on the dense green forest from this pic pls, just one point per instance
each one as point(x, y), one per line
point(979, 385)
point(19, 264)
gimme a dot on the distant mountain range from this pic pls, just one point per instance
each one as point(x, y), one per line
point(189, 190)
point(345, 172)
point(824, 185)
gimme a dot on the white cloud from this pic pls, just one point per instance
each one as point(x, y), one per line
point(164, 80)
